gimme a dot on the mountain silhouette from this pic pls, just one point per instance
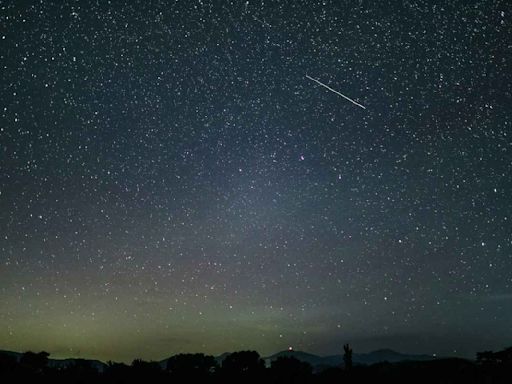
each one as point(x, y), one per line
point(286, 367)
point(387, 355)
point(63, 363)
point(378, 356)
point(306, 357)
point(317, 362)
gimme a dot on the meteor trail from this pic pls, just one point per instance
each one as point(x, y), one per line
point(336, 92)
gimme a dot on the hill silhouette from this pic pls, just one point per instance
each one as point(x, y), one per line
point(62, 363)
point(374, 357)
point(299, 367)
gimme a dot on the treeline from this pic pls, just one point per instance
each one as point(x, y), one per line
point(247, 367)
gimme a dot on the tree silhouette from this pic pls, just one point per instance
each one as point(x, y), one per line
point(290, 370)
point(82, 369)
point(247, 367)
point(347, 357)
point(117, 372)
point(490, 357)
point(244, 364)
point(197, 365)
point(146, 371)
point(485, 357)
point(7, 362)
point(34, 362)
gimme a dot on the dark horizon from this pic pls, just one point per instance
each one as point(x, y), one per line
point(289, 352)
point(249, 367)
point(359, 349)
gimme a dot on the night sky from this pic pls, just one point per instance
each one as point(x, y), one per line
point(171, 179)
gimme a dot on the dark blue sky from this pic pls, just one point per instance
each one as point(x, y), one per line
point(171, 181)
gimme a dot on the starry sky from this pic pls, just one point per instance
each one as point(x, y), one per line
point(173, 180)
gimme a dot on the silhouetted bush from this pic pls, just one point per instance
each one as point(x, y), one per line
point(196, 366)
point(146, 371)
point(290, 370)
point(244, 365)
point(34, 362)
point(80, 371)
point(247, 367)
point(116, 373)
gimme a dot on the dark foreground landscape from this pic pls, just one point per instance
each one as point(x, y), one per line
point(248, 367)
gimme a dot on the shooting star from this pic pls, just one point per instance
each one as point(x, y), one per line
point(336, 92)
point(262, 22)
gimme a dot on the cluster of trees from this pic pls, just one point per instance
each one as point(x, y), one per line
point(244, 366)
point(490, 358)
point(247, 367)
